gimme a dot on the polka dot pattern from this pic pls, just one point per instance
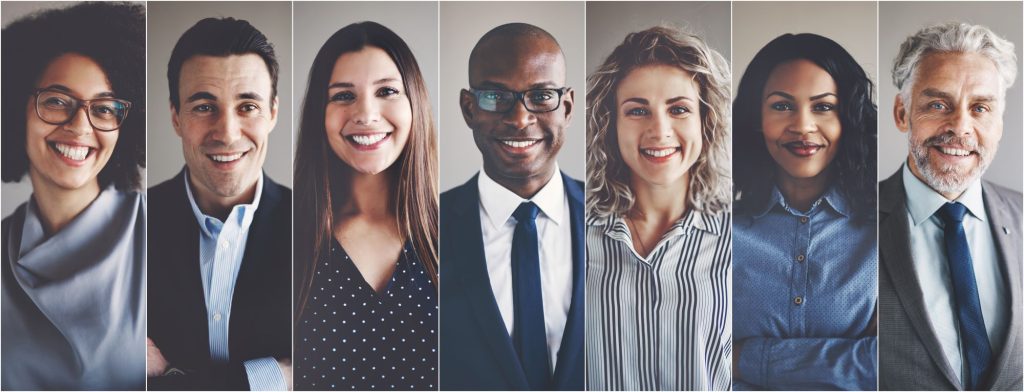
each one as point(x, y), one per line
point(353, 338)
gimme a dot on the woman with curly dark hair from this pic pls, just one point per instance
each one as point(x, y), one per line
point(805, 250)
point(74, 253)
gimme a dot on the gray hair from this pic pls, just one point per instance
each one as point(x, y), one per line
point(953, 37)
point(608, 190)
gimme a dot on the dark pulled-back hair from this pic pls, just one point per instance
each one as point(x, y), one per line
point(111, 34)
point(854, 165)
point(220, 37)
point(322, 180)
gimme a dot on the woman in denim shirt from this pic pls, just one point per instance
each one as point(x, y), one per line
point(805, 250)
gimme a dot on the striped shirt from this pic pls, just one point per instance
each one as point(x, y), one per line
point(664, 322)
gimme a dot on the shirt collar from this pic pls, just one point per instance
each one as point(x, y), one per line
point(617, 228)
point(923, 201)
point(500, 203)
point(832, 198)
point(210, 225)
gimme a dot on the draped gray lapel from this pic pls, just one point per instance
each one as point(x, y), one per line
point(1005, 221)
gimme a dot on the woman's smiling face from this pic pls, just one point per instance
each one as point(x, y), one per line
point(800, 118)
point(69, 156)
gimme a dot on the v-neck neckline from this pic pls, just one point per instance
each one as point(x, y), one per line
point(382, 295)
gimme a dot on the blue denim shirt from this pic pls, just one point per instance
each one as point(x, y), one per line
point(805, 286)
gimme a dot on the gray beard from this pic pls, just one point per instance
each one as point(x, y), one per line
point(948, 179)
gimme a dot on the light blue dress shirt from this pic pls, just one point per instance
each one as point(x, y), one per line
point(221, 250)
point(927, 247)
point(805, 287)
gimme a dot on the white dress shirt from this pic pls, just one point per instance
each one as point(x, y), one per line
point(554, 232)
point(927, 247)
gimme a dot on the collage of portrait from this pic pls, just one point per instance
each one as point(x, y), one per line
point(512, 195)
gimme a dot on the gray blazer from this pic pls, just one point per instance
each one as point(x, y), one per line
point(910, 356)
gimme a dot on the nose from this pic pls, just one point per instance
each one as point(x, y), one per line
point(519, 117)
point(79, 122)
point(228, 128)
point(803, 122)
point(960, 122)
point(661, 126)
point(367, 111)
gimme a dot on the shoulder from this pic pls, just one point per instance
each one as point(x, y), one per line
point(166, 190)
point(459, 193)
point(1005, 197)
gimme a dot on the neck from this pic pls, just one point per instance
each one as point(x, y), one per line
point(661, 205)
point(523, 187)
point(220, 206)
point(58, 206)
point(369, 195)
point(801, 193)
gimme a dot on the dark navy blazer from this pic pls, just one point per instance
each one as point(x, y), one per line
point(476, 350)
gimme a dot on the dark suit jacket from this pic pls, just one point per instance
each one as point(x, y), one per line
point(910, 356)
point(261, 307)
point(476, 350)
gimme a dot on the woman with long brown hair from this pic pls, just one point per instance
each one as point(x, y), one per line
point(366, 218)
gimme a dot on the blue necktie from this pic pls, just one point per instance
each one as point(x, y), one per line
point(528, 333)
point(973, 335)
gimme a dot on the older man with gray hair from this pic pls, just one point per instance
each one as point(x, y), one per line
point(950, 249)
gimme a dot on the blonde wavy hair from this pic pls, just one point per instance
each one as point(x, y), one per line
point(608, 191)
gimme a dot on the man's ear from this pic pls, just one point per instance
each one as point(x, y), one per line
point(900, 113)
point(466, 103)
point(569, 99)
point(174, 119)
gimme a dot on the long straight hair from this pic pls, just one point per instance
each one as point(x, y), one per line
point(322, 180)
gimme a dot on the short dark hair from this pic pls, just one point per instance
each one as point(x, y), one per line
point(855, 162)
point(111, 34)
point(220, 37)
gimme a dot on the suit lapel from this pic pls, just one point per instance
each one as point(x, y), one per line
point(894, 227)
point(572, 338)
point(253, 272)
point(471, 270)
point(1006, 233)
point(184, 268)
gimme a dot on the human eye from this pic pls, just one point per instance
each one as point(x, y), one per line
point(103, 109)
point(981, 109)
point(540, 96)
point(824, 107)
point(56, 101)
point(203, 109)
point(343, 97)
point(638, 111)
point(936, 105)
point(679, 110)
point(781, 106)
point(385, 92)
point(249, 108)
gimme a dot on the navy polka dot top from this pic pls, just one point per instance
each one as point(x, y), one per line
point(352, 338)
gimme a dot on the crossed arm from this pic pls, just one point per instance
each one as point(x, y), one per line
point(255, 374)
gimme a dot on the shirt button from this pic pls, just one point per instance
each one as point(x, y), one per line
point(216, 316)
point(224, 244)
point(803, 219)
point(798, 300)
point(800, 258)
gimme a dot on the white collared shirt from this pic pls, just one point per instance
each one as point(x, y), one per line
point(927, 247)
point(554, 232)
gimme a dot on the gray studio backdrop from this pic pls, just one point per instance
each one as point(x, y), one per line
point(16, 193)
point(851, 24)
point(167, 22)
point(414, 21)
point(462, 24)
point(897, 21)
point(608, 23)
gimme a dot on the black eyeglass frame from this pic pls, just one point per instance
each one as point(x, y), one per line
point(79, 103)
point(520, 96)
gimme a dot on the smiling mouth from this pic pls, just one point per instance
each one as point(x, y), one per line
point(519, 143)
point(803, 148)
point(953, 151)
point(227, 158)
point(72, 152)
point(659, 152)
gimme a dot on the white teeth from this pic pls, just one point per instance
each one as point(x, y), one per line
point(658, 153)
point(226, 158)
point(519, 143)
point(954, 151)
point(75, 153)
point(368, 140)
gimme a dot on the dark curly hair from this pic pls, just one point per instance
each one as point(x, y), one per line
point(111, 34)
point(855, 163)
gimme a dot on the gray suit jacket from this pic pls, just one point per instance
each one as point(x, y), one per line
point(910, 356)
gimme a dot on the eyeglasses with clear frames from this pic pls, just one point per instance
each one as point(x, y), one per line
point(540, 100)
point(56, 107)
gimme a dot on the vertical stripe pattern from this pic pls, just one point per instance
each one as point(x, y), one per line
point(664, 322)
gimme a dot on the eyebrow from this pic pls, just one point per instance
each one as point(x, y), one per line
point(490, 85)
point(66, 89)
point(250, 95)
point(200, 96)
point(790, 97)
point(351, 85)
point(934, 93)
point(643, 101)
